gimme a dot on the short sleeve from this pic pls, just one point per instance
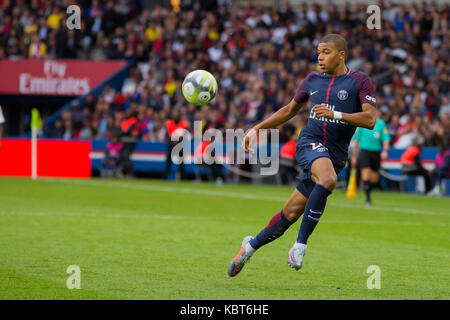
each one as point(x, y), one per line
point(385, 133)
point(366, 90)
point(302, 95)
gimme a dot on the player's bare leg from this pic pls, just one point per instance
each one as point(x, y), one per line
point(279, 223)
point(295, 206)
point(322, 172)
point(325, 178)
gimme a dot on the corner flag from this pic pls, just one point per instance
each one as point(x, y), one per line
point(351, 188)
point(35, 119)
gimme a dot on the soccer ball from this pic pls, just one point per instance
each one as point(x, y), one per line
point(199, 87)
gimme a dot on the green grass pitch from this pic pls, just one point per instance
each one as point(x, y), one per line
point(148, 239)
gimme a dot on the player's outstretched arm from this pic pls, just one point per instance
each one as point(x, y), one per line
point(365, 119)
point(281, 116)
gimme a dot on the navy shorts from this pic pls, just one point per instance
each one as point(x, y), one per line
point(305, 154)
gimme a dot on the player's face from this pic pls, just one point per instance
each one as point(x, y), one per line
point(329, 57)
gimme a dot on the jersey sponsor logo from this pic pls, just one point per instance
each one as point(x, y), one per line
point(312, 115)
point(342, 95)
point(371, 99)
point(313, 92)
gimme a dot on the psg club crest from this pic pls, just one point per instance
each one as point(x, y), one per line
point(342, 95)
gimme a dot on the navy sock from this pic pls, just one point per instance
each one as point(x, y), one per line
point(367, 187)
point(313, 211)
point(275, 229)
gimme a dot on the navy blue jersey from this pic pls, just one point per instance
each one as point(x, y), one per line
point(345, 93)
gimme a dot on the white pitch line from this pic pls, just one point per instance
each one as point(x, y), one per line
point(89, 215)
point(168, 217)
point(237, 195)
point(381, 222)
point(170, 189)
point(376, 207)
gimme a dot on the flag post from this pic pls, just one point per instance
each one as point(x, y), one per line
point(36, 124)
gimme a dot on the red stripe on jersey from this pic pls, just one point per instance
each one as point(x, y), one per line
point(329, 88)
point(325, 124)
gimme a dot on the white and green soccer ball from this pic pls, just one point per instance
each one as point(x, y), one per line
point(199, 87)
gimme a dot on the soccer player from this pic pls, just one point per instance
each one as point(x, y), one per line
point(341, 99)
point(370, 143)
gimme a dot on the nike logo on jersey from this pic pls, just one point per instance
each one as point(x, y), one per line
point(313, 92)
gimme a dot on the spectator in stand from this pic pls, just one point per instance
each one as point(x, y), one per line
point(442, 169)
point(54, 19)
point(86, 132)
point(56, 131)
point(37, 48)
point(111, 165)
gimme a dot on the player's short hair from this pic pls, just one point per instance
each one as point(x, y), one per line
point(339, 42)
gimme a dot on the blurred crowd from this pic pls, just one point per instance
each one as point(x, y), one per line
point(259, 55)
